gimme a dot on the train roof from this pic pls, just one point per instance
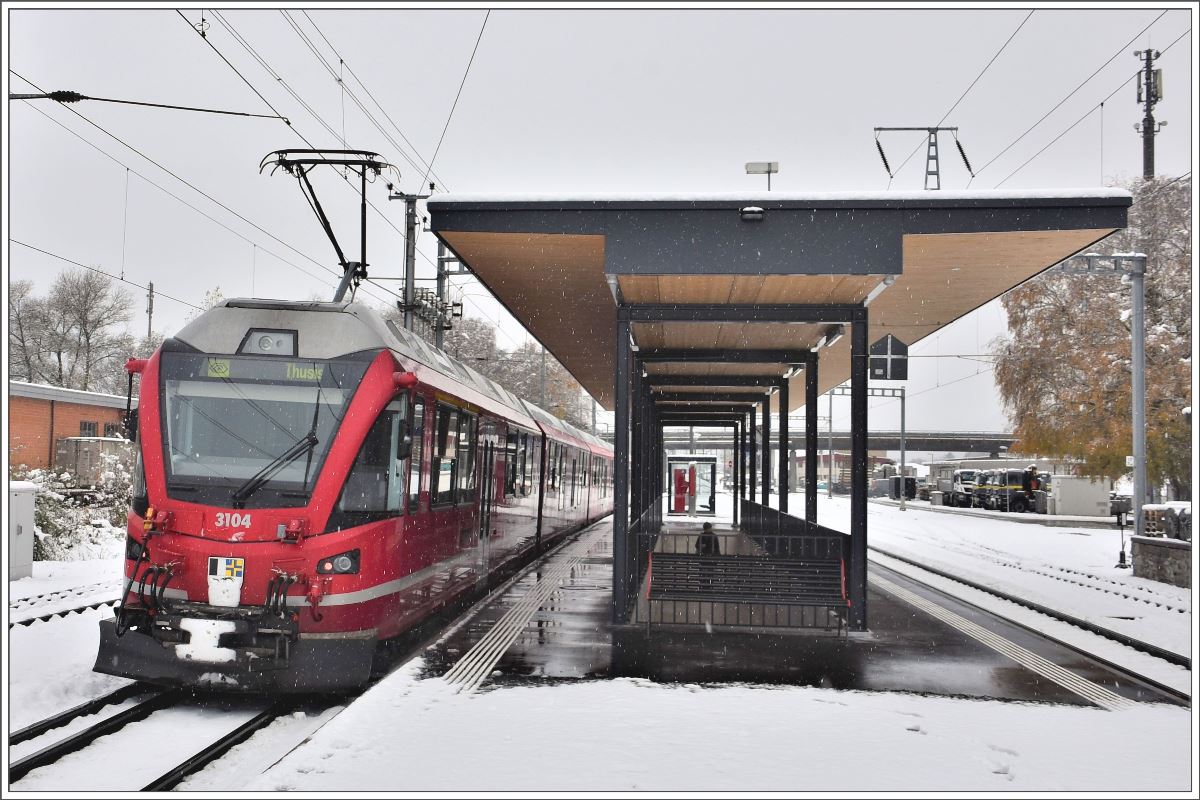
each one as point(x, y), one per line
point(561, 429)
point(355, 328)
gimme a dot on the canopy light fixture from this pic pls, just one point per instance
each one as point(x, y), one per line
point(767, 168)
point(887, 281)
point(753, 214)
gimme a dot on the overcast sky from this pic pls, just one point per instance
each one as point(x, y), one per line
point(555, 101)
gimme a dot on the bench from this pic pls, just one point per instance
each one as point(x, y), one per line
point(747, 579)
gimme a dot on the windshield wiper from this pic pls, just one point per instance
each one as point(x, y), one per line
point(260, 478)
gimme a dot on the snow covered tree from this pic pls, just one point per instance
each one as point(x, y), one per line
point(1064, 371)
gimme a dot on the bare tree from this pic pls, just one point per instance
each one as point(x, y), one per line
point(25, 332)
point(91, 306)
point(71, 337)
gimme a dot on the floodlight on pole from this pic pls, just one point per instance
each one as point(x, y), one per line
point(767, 168)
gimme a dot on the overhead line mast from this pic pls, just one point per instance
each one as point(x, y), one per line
point(932, 171)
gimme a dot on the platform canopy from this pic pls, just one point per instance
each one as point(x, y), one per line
point(563, 264)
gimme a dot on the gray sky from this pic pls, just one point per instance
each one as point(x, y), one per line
point(555, 101)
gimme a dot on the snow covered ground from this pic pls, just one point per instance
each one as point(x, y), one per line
point(631, 734)
point(628, 734)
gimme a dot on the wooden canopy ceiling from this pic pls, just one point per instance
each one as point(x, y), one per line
point(552, 264)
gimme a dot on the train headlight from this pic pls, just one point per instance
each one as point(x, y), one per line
point(341, 564)
point(268, 342)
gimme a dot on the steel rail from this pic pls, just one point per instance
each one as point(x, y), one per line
point(1145, 647)
point(77, 741)
point(82, 710)
point(64, 612)
point(198, 761)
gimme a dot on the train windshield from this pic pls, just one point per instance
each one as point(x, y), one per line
point(250, 431)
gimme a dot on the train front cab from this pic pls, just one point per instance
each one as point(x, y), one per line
point(334, 545)
point(268, 547)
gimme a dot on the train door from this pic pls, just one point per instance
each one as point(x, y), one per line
point(487, 469)
point(574, 482)
point(417, 460)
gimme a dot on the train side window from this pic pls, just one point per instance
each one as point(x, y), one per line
point(523, 481)
point(443, 466)
point(375, 481)
point(574, 480)
point(535, 464)
point(510, 464)
point(560, 481)
point(467, 439)
point(418, 452)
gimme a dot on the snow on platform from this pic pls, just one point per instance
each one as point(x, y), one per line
point(408, 734)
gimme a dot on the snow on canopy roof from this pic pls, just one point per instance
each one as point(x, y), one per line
point(934, 197)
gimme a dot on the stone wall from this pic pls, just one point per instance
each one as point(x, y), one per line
point(1161, 559)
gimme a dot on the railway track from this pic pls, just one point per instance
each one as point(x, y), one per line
point(148, 700)
point(62, 603)
point(1114, 636)
point(62, 612)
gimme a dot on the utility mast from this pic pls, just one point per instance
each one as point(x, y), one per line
point(150, 310)
point(1149, 92)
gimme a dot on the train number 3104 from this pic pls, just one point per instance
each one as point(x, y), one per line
point(226, 519)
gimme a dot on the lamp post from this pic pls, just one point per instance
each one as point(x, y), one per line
point(1004, 471)
point(767, 168)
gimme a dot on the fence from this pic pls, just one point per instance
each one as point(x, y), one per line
point(779, 572)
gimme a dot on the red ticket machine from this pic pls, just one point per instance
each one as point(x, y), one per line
point(683, 482)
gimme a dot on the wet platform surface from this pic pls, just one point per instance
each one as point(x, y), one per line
point(568, 637)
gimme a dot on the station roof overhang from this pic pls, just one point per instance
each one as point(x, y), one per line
point(562, 265)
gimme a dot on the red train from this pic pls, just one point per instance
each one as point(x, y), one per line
point(314, 480)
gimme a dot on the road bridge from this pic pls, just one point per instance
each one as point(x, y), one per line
point(677, 439)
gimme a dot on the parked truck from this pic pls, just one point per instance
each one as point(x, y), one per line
point(962, 488)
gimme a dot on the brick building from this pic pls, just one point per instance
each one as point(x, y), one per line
point(40, 415)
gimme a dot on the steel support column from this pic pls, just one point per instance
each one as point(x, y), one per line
point(766, 451)
point(621, 548)
point(810, 439)
point(858, 474)
point(784, 465)
point(753, 450)
point(650, 448)
point(737, 469)
point(637, 418)
point(739, 435)
point(657, 475)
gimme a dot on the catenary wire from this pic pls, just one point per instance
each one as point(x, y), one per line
point(64, 96)
point(169, 193)
point(1089, 112)
point(969, 88)
point(454, 105)
point(190, 186)
point(373, 100)
point(312, 48)
point(157, 293)
point(1070, 94)
point(241, 40)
